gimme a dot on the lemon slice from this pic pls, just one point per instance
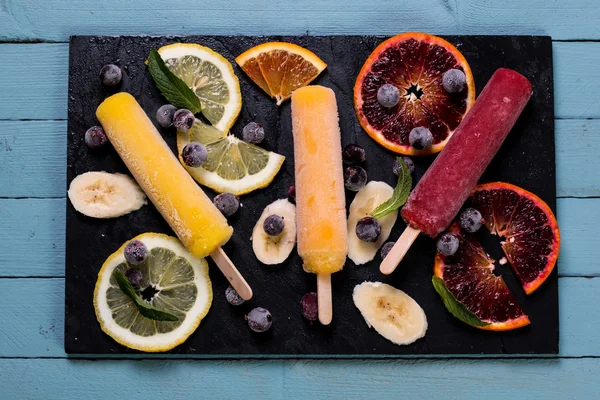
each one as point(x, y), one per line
point(211, 77)
point(173, 281)
point(232, 165)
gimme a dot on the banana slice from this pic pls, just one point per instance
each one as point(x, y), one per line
point(365, 201)
point(104, 195)
point(273, 250)
point(395, 315)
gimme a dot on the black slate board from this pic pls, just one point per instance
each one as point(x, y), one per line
point(526, 159)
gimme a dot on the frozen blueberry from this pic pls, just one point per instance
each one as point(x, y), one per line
point(183, 120)
point(447, 244)
point(368, 229)
point(385, 250)
point(420, 138)
point(470, 220)
point(259, 319)
point(135, 252)
point(233, 297)
point(134, 275)
point(454, 81)
point(253, 133)
point(95, 137)
point(310, 308)
point(273, 225)
point(292, 192)
point(227, 203)
point(110, 75)
point(164, 115)
point(388, 95)
point(409, 164)
point(194, 154)
point(355, 178)
point(354, 154)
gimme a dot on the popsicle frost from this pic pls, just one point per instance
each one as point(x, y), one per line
point(320, 197)
point(441, 192)
point(190, 213)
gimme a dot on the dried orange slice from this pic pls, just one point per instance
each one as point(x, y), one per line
point(415, 63)
point(279, 68)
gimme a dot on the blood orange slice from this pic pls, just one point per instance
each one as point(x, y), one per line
point(530, 230)
point(415, 63)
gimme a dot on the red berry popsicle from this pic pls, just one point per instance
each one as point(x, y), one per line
point(444, 188)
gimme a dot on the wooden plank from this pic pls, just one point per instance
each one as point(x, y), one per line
point(56, 19)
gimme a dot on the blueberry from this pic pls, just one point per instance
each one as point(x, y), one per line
point(420, 138)
point(368, 229)
point(233, 297)
point(385, 250)
point(164, 115)
point(110, 75)
point(388, 95)
point(253, 133)
point(354, 154)
point(227, 203)
point(134, 275)
point(259, 319)
point(447, 244)
point(95, 137)
point(454, 81)
point(183, 120)
point(310, 308)
point(470, 220)
point(273, 225)
point(135, 252)
point(355, 178)
point(194, 154)
point(409, 164)
point(292, 192)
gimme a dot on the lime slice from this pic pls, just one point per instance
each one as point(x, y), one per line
point(173, 281)
point(232, 165)
point(211, 77)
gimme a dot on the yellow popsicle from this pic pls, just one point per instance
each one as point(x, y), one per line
point(190, 213)
point(320, 197)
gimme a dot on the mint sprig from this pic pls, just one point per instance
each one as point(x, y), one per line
point(174, 89)
point(143, 307)
point(399, 196)
point(456, 308)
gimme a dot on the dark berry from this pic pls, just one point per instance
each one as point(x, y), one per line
point(95, 137)
point(164, 115)
point(194, 154)
point(134, 275)
point(310, 308)
point(183, 120)
point(227, 203)
point(259, 319)
point(110, 75)
point(135, 252)
point(273, 225)
point(408, 162)
point(386, 248)
point(447, 244)
point(368, 229)
point(454, 81)
point(292, 192)
point(233, 297)
point(253, 133)
point(388, 95)
point(420, 138)
point(470, 220)
point(355, 178)
point(354, 154)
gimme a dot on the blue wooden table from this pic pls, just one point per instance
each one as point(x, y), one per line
point(33, 133)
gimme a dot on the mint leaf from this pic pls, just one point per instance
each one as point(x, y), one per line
point(174, 89)
point(400, 195)
point(144, 307)
point(456, 308)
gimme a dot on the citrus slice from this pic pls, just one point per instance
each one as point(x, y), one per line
point(528, 226)
point(468, 276)
point(279, 68)
point(173, 281)
point(211, 77)
point(232, 165)
point(415, 63)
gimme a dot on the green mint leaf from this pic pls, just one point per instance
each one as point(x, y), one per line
point(174, 89)
point(144, 308)
point(400, 195)
point(455, 307)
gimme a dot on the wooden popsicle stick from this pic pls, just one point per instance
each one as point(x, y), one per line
point(231, 273)
point(399, 250)
point(324, 298)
